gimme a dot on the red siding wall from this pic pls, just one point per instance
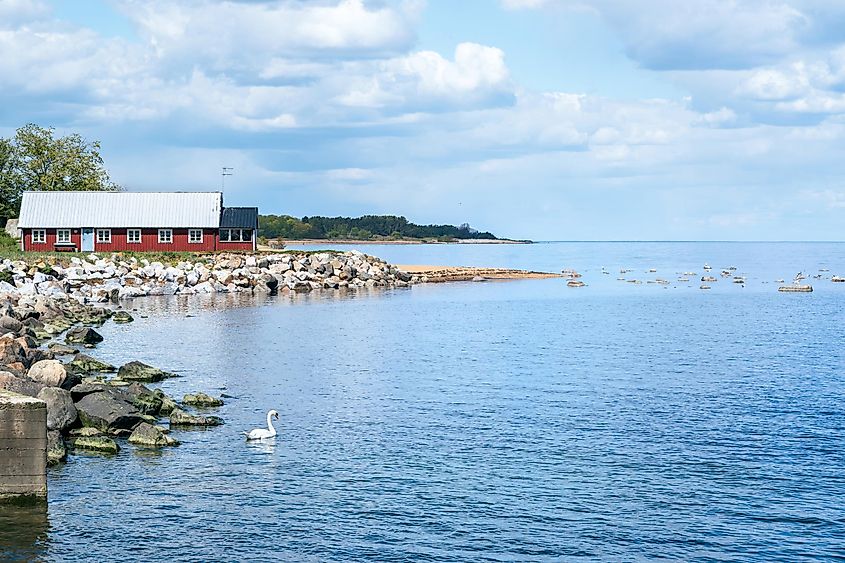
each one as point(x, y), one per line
point(49, 246)
point(149, 242)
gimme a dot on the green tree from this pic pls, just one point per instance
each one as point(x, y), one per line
point(36, 160)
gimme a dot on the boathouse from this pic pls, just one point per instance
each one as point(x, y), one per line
point(135, 222)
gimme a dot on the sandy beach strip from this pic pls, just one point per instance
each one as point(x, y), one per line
point(464, 273)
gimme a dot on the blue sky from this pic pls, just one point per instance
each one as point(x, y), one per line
point(546, 119)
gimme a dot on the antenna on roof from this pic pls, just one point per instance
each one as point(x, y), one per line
point(227, 171)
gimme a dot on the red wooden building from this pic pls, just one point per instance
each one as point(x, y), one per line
point(135, 221)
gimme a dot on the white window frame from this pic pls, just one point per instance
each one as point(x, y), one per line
point(169, 237)
point(129, 233)
point(240, 235)
point(191, 238)
point(39, 236)
point(63, 236)
point(103, 236)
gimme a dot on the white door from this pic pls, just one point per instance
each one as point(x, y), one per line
point(87, 240)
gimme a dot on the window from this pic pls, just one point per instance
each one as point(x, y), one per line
point(104, 235)
point(235, 235)
point(39, 236)
point(165, 236)
point(63, 236)
point(195, 235)
point(133, 236)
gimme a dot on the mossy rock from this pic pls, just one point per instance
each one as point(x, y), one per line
point(148, 403)
point(100, 444)
point(85, 363)
point(201, 400)
point(151, 436)
point(122, 317)
point(85, 432)
point(139, 371)
point(181, 418)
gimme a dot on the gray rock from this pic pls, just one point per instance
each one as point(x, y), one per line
point(56, 448)
point(9, 324)
point(138, 371)
point(80, 390)
point(61, 412)
point(83, 335)
point(149, 435)
point(106, 412)
point(22, 385)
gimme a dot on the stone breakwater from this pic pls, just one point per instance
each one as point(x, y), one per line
point(101, 278)
point(92, 406)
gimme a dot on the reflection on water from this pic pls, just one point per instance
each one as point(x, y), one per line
point(23, 532)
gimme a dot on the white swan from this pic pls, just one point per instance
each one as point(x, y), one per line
point(264, 433)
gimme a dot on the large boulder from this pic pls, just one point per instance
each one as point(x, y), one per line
point(85, 363)
point(148, 435)
point(61, 413)
point(56, 448)
point(51, 373)
point(138, 371)
point(82, 389)
point(106, 412)
point(83, 335)
point(181, 418)
point(22, 385)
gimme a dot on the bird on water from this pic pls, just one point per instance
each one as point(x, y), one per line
point(264, 433)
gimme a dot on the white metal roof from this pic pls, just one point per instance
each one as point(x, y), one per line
point(120, 209)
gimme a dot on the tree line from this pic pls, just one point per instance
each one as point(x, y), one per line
point(35, 159)
point(367, 227)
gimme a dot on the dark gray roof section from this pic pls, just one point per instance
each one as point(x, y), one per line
point(239, 218)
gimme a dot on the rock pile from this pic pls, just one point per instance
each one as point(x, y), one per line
point(102, 279)
point(85, 410)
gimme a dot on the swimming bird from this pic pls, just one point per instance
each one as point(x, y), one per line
point(264, 433)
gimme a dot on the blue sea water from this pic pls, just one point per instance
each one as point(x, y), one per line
point(499, 421)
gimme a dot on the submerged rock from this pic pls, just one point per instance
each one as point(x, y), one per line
point(149, 435)
point(201, 400)
point(122, 317)
point(100, 444)
point(181, 418)
point(83, 335)
point(61, 412)
point(139, 371)
point(56, 448)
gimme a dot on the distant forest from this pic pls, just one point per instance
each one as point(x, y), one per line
point(367, 227)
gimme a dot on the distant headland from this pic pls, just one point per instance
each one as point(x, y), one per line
point(369, 229)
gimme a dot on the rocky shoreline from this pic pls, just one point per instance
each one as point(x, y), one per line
point(96, 278)
point(91, 405)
